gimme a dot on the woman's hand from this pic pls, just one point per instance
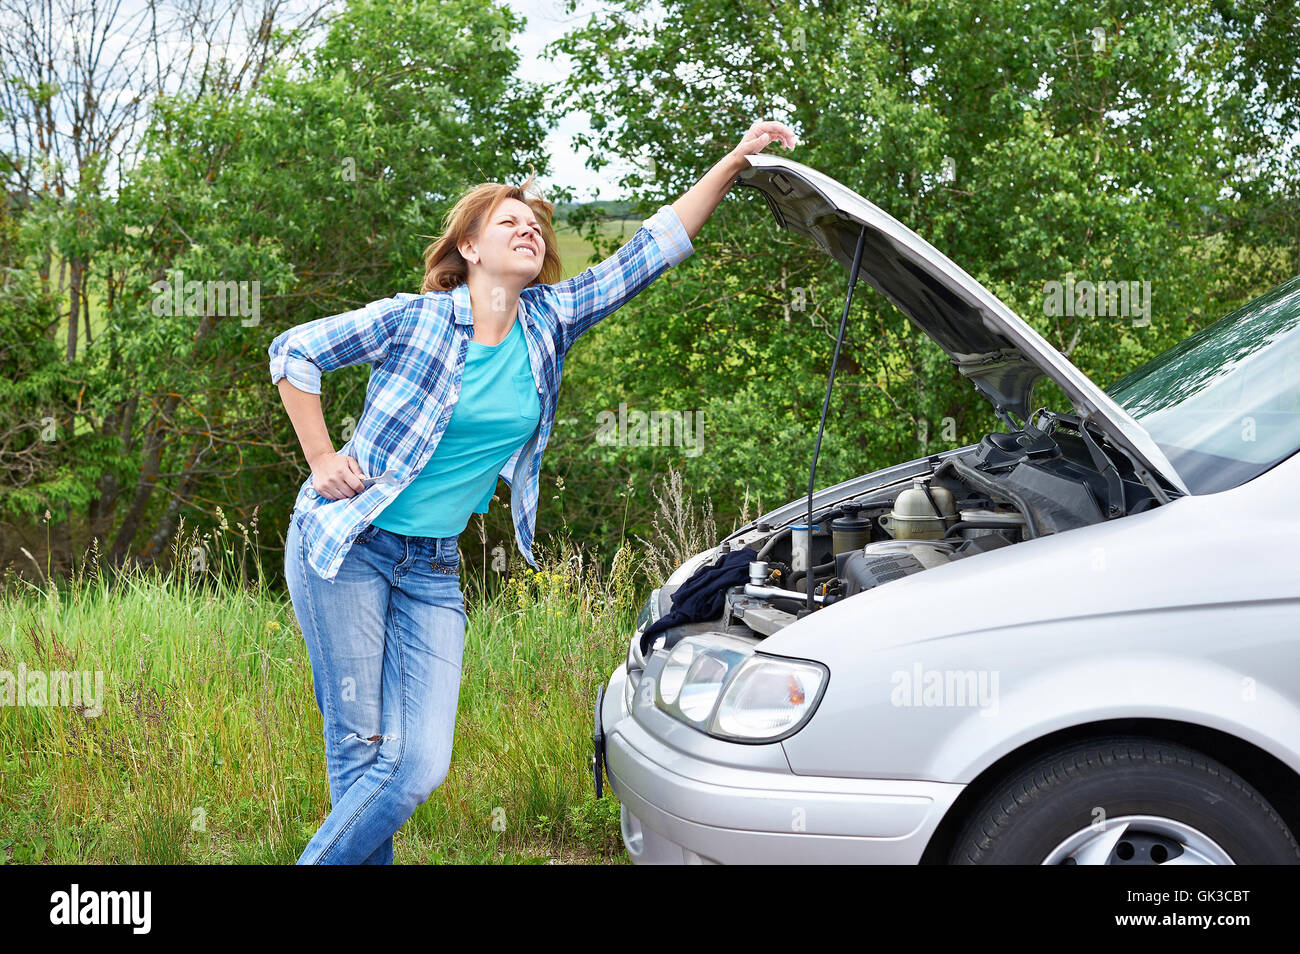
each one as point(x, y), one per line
point(698, 203)
point(335, 476)
point(760, 134)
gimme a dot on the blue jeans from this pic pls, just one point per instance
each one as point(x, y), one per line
point(385, 640)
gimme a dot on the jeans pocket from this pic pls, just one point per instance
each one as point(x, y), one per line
point(445, 563)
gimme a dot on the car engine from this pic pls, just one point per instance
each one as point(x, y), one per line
point(1009, 488)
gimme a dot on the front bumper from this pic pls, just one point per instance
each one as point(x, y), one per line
point(685, 807)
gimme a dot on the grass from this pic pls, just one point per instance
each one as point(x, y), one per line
point(209, 747)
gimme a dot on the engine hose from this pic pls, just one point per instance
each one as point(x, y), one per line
point(783, 532)
point(798, 575)
point(790, 605)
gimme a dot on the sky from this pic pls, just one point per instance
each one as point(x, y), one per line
point(546, 22)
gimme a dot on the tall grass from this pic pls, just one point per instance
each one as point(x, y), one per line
point(209, 748)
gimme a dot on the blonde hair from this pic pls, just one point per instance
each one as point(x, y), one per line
point(445, 268)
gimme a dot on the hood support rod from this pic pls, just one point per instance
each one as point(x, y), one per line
point(830, 383)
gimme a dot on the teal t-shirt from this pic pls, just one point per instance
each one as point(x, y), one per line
point(497, 412)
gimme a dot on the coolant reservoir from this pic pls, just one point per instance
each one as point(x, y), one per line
point(914, 517)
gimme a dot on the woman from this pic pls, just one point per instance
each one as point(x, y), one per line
point(462, 388)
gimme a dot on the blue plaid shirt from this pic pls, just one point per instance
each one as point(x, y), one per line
point(416, 347)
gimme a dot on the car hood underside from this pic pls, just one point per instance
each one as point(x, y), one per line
point(987, 342)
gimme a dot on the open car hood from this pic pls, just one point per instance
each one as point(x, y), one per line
point(1001, 354)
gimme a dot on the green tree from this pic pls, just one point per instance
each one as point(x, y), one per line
point(322, 184)
point(1026, 140)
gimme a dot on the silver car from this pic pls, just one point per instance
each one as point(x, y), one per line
point(1075, 642)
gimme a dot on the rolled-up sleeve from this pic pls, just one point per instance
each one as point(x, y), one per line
point(359, 336)
point(581, 301)
point(670, 235)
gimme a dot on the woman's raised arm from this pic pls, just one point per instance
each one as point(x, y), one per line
point(698, 202)
point(663, 241)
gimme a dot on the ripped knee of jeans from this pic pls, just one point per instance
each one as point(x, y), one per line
point(372, 740)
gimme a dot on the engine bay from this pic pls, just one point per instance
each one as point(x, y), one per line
point(1011, 487)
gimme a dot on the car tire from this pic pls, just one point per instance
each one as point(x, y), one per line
point(1125, 800)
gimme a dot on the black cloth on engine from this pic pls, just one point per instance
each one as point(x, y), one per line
point(702, 596)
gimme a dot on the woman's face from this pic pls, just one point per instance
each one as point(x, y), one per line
point(510, 244)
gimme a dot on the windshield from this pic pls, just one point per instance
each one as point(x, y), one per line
point(1224, 405)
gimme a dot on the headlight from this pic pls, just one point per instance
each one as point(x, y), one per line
point(674, 671)
point(716, 683)
point(649, 612)
point(702, 686)
point(769, 696)
point(635, 661)
point(644, 620)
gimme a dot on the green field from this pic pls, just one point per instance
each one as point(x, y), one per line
point(575, 252)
